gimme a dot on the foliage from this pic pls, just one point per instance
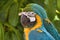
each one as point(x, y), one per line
point(10, 27)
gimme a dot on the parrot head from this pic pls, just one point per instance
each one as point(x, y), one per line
point(28, 19)
point(28, 16)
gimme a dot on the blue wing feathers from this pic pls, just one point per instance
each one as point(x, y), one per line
point(52, 30)
point(34, 35)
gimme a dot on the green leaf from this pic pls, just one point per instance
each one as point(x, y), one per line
point(2, 3)
point(14, 37)
point(51, 8)
point(16, 1)
point(4, 11)
point(41, 2)
point(16, 31)
point(58, 4)
point(1, 32)
point(10, 35)
point(7, 36)
point(13, 14)
point(20, 3)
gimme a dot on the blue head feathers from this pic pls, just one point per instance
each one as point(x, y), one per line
point(37, 9)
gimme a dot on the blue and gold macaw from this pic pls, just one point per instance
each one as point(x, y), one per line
point(36, 24)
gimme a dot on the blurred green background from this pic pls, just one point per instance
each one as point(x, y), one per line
point(10, 27)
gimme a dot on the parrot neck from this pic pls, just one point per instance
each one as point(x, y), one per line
point(38, 23)
point(26, 33)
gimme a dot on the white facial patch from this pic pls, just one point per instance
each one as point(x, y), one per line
point(32, 19)
point(24, 13)
point(30, 15)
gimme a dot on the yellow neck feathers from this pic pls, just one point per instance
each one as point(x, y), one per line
point(37, 25)
point(26, 33)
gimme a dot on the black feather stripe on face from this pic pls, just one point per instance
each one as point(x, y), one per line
point(26, 22)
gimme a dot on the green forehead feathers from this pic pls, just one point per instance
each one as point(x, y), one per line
point(27, 8)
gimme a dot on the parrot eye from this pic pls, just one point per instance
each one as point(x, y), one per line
point(32, 13)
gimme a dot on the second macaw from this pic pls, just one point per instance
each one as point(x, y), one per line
point(36, 24)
